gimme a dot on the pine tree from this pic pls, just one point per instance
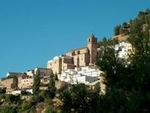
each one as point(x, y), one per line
point(36, 85)
point(15, 82)
point(117, 30)
point(51, 86)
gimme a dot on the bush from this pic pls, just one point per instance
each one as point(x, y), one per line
point(12, 98)
point(79, 99)
point(37, 99)
point(2, 96)
point(49, 110)
point(51, 92)
point(43, 94)
point(8, 109)
point(2, 90)
point(27, 107)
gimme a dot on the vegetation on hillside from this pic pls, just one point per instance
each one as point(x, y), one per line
point(128, 88)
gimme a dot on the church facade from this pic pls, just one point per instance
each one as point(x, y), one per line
point(80, 57)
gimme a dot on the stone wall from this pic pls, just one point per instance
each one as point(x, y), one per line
point(7, 83)
point(55, 65)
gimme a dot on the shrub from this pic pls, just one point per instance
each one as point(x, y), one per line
point(12, 98)
point(8, 109)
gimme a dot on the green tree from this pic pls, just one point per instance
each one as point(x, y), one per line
point(51, 86)
point(15, 82)
point(36, 84)
point(128, 86)
point(12, 99)
point(49, 109)
point(79, 99)
point(2, 90)
point(8, 109)
point(56, 77)
point(141, 61)
point(117, 30)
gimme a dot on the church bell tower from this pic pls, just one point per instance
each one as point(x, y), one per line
point(92, 46)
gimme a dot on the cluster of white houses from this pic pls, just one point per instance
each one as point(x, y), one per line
point(76, 66)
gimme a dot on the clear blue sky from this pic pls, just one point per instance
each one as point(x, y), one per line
point(33, 31)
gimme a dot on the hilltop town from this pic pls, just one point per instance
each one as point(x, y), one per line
point(108, 76)
point(74, 67)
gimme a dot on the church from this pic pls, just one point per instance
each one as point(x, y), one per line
point(81, 57)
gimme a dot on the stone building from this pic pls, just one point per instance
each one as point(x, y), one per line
point(25, 83)
point(8, 84)
point(76, 58)
point(55, 64)
point(10, 81)
point(27, 79)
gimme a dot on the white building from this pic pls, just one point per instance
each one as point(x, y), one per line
point(124, 49)
point(84, 75)
point(18, 92)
